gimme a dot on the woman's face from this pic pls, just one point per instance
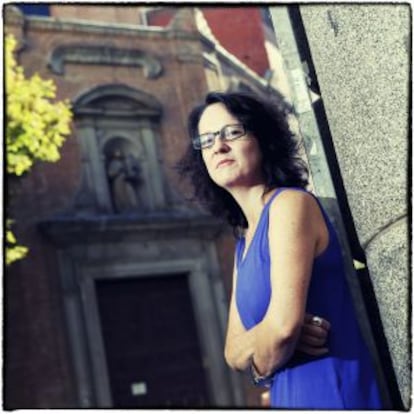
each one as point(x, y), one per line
point(234, 163)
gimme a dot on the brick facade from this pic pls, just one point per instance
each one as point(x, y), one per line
point(38, 371)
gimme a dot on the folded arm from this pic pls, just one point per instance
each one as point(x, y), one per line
point(294, 240)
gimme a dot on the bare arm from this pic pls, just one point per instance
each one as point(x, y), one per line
point(241, 343)
point(294, 239)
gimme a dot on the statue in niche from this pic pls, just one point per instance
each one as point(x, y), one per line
point(124, 179)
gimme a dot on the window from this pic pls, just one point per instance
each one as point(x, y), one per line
point(34, 9)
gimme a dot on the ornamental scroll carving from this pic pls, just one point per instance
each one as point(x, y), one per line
point(104, 55)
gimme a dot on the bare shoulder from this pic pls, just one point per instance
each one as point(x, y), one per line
point(299, 214)
point(291, 202)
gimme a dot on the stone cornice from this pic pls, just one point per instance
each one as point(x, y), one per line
point(103, 28)
point(68, 231)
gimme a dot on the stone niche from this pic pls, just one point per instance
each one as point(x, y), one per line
point(117, 129)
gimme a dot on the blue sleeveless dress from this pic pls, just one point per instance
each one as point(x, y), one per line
point(342, 379)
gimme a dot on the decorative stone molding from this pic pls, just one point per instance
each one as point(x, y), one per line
point(67, 231)
point(104, 55)
point(184, 21)
point(134, 102)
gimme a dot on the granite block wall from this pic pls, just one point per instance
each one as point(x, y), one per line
point(361, 57)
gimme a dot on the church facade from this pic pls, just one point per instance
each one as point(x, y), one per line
point(122, 300)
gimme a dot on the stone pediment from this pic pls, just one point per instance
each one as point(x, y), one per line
point(119, 100)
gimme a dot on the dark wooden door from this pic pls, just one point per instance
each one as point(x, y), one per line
point(151, 342)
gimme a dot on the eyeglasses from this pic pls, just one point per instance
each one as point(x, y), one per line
point(227, 133)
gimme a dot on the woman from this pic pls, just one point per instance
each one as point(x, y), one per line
point(244, 166)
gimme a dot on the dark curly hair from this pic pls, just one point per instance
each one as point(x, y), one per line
point(267, 121)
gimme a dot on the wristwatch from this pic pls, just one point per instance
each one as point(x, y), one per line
point(258, 379)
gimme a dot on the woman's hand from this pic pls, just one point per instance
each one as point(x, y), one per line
point(312, 340)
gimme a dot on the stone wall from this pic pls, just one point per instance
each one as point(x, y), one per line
point(361, 58)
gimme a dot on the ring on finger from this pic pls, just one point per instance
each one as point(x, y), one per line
point(316, 320)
